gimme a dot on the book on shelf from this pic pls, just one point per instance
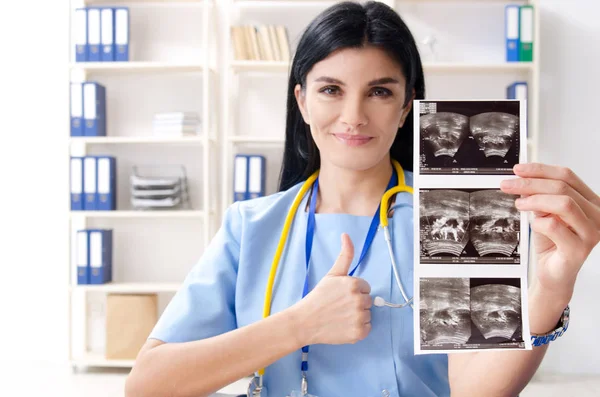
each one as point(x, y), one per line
point(260, 43)
point(176, 124)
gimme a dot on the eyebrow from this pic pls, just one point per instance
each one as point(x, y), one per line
point(384, 80)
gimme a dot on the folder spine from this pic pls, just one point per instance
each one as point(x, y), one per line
point(76, 109)
point(121, 34)
point(256, 183)
point(94, 109)
point(100, 254)
point(512, 34)
point(76, 183)
point(517, 90)
point(107, 21)
point(90, 184)
point(94, 33)
point(83, 257)
point(526, 33)
point(81, 35)
point(107, 183)
point(240, 178)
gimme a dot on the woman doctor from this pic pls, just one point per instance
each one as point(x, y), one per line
point(353, 79)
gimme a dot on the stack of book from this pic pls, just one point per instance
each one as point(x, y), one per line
point(260, 43)
point(175, 124)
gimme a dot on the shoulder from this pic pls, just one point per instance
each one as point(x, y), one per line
point(255, 211)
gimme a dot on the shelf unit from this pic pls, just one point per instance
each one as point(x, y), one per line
point(237, 69)
point(203, 69)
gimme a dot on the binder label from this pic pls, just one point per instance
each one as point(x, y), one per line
point(89, 102)
point(80, 33)
point(95, 251)
point(107, 28)
point(76, 176)
point(512, 23)
point(89, 182)
point(94, 30)
point(240, 178)
point(527, 25)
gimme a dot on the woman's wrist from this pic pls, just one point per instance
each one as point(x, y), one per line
point(297, 320)
point(545, 309)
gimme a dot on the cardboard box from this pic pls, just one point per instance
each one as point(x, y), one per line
point(129, 321)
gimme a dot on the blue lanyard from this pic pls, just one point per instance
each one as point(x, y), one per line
point(310, 233)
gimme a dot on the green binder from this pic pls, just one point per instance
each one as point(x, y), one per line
point(526, 33)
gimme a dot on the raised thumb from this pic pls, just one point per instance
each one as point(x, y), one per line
point(344, 260)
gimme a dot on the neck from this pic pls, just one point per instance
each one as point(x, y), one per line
point(352, 192)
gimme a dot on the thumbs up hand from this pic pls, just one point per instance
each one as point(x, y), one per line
point(337, 310)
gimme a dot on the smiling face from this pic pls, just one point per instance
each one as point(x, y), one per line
point(353, 102)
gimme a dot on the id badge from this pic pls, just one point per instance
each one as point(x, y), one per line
point(254, 387)
point(295, 393)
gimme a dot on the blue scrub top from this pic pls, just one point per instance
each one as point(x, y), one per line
point(226, 290)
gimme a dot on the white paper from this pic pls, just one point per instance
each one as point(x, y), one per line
point(471, 243)
point(145, 182)
point(161, 203)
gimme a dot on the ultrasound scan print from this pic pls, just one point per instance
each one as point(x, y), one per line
point(468, 226)
point(470, 313)
point(444, 132)
point(444, 220)
point(495, 222)
point(445, 316)
point(469, 137)
point(494, 132)
point(496, 310)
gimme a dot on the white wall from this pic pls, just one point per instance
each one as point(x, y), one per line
point(570, 135)
point(34, 169)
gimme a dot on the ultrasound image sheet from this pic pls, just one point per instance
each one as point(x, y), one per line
point(471, 244)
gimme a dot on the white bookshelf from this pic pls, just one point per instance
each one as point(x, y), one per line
point(155, 78)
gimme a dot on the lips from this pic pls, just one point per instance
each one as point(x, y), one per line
point(353, 140)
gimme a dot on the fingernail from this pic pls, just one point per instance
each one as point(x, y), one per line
point(519, 167)
point(519, 202)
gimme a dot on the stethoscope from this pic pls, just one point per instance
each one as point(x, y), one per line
point(256, 384)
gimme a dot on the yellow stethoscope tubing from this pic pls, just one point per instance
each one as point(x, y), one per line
point(400, 187)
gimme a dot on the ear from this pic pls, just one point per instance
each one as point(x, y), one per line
point(406, 110)
point(301, 100)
